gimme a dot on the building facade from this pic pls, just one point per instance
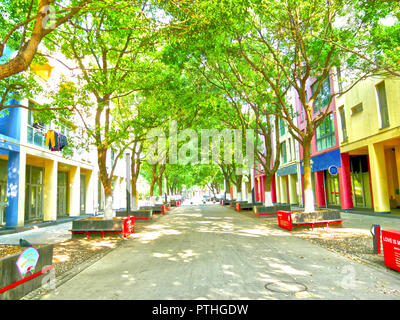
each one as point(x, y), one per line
point(37, 184)
point(369, 133)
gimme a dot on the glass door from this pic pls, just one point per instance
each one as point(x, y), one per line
point(83, 194)
point(360, 182)
point(332, 186)
point(62, 194)
point(34, 194)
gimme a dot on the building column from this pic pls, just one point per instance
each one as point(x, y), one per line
point(273, 189)
point(50, 190)
point(379, 178)
point(262, 188)
point(320, 188)
point(90, 192)
point(278, 190)
point(244, 190)
point(256, 189)
point(292, 189)
point(346, 197)
point(15, 210)
point(397, 156)
point(74, 191)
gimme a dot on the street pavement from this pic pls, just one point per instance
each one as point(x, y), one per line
point(213, 252)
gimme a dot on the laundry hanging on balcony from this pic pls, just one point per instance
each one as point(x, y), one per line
point(55, 141)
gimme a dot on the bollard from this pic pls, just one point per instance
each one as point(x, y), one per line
point(376, 238)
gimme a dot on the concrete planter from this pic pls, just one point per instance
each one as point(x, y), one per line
point(9, 273)
point(288, 219)
point(138, 214)
point(154, 209)
point(123, 225)
point(308, 217)
point(264, 212)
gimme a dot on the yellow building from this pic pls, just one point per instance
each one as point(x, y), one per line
point(369, 133)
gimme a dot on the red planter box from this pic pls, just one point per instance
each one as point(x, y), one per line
point(391, 248)
point(285, 219)
point(129, 225)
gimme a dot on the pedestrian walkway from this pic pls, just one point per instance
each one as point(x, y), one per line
point(213, 252)
point(45, 235)
point(362, 221)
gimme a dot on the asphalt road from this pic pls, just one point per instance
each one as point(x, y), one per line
point(213, 252)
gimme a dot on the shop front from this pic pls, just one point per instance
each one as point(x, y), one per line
point(326, 169)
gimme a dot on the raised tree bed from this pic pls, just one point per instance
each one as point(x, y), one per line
point(263, 212)
point(234, 203)
point(155, 209)
point(138, 214)
point(288, 219)
point(227, 202)
point(124, 225)
point(247, 206)
point(13, 285)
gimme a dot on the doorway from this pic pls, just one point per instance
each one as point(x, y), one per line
point(34, 193)
point(62, 194)
point(332, 189)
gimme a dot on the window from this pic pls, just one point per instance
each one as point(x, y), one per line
point(357, 109)
point(383, 108)
point(339, 79)
point(36, 129)
point(343, 123)
point(325, 134)
point(281, 127)
point(324, 95)
point(283, 152)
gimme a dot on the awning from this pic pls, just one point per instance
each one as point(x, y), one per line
point(284, 171)
point(323, 161)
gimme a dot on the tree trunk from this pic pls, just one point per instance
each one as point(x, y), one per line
point(160, 187)
point(106, 181)
point(153, 180)
point(134, 194)
point(309, 203)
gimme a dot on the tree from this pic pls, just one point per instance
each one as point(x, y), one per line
point(112, 57)
point(294, 44)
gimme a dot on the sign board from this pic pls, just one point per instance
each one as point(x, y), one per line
point(333, 170)
point(391, 248)
point(27, 261)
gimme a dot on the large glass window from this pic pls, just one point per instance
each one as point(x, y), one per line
point(324, 95)
point(283, 152)
point(36, 129)
point(343, 123)
point(383, 107)
point(281, 127)
point(360, 181)
point(325, 134)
